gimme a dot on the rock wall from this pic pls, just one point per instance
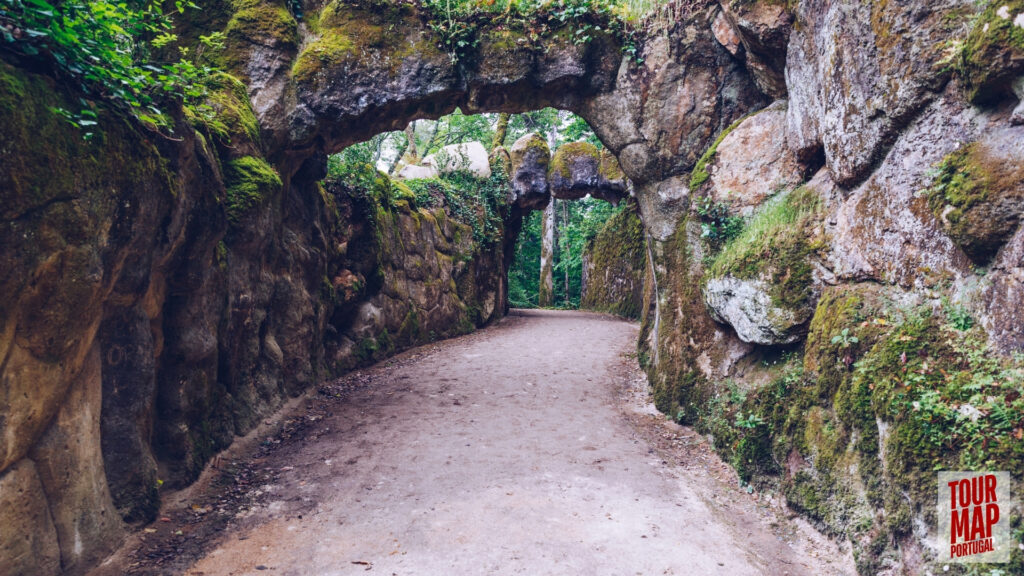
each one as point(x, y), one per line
point(830, 348)
point(614, 266)
point(167, 294)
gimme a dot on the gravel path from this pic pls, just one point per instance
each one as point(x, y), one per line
point(526, 448)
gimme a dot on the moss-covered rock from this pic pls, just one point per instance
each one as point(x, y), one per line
point(762, 282)
point(979, 199)
point(378, 35)
point(614, 262)
point(249, 181)
point(574, 171)
point(227, 114)
point(530, 159)
point(992, 56)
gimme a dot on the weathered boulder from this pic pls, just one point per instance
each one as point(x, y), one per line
point(530, 158)
point(752, 162)
point(574, 171)
point(978, 194)
point(469, 157)
point(747, 306)
point(413, 171)
point(992, 55)
point(612, 184)
point(763, 283)
point(883, 230)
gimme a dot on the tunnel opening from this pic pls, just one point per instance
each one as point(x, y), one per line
point(436, 232)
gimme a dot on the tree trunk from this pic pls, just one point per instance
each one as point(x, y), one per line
point(501, 130)
point(410, 148)
point(546, 291)
point(565, 226)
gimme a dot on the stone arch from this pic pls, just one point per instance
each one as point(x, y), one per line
point(370, 68)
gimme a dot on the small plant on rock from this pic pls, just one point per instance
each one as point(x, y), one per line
point(844, 339)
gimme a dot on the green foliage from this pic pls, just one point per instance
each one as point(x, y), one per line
point(108, 47)
point(717, 224)
point(959, 182)
point(580, 221)
point(524, 272)
point(478, 202)
point(962, 397)
point(458, 22)
point(559, 126)
point(959, 317)
point(844, 339)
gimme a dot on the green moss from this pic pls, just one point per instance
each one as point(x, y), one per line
point(700, 172)
point(610, 169)
point(262, 21)
point(329, 50)
point(617, 253)
point(569, 153)
point(993, 53)
point(385, 33)
point(227, 113)
point(978, 198)
point(45, 158)
point(249, 180)
point(777, 242)
point(253, 23)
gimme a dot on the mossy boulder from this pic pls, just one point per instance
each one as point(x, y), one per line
point(978, 196)
point(254, 24)
point(530, 158)
point(227, 115)
point(575, 171)
point(614, 262)
point(249, 181)
point(612, 183)
point(381, 36)
point(762, 282)
point(992, 56)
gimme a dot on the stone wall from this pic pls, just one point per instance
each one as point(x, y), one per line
point(614, 263)
point(165, 295)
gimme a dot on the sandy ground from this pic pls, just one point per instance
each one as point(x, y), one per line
point(528, 448)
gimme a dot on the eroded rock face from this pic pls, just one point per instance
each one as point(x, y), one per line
point(530, 158)
point(29, 545)
point(763, 28)
point(884, 230)
point(850, 93)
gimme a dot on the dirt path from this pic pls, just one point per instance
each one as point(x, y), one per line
point(526, 448)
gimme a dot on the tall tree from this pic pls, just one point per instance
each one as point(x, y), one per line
point(546, 294)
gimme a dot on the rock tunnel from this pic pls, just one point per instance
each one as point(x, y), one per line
point(165, 294)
